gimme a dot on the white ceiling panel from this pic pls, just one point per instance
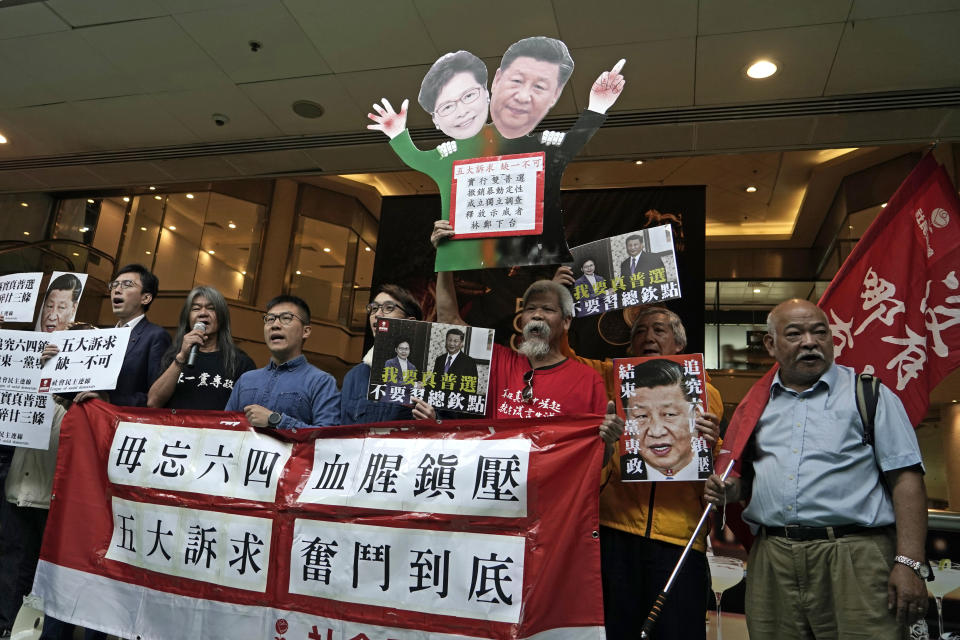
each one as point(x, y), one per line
point(785, 133)
point(186, 6)
point(131, 122)
point(90, 12)
point(225, 35)
point(29, 19)
point(56, 129)
point(56, 67)
point(156, 54)
point(903, 52)
point(648, 86)
point(271, 162)
point(365, 34)
point(880, 127)
point(489, 33)
point(66, 177)
point(721, 61)
point(18, 181)
point(183, 169)
point(863, 9)
point(362, 158)
point(275, 100)
point(195, 110)
point(639, 141)
point(132, 174)
point(367, 87)
point(602, 22)
point(734, 16)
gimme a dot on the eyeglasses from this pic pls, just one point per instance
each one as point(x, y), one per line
point(285, 318)
point(447, 108)
point(527, 394)
point(387, 307)
point(121, 284)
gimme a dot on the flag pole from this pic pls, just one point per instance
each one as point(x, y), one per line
point(651, 620)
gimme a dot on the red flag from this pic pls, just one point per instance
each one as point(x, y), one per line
point(894, 306)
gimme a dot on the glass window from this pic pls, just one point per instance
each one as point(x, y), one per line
point(194, 238)
point(320, 256)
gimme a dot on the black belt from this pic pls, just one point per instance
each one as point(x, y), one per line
point(798, 532)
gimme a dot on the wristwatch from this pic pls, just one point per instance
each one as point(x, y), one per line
point(922, 569)
point(274, 419)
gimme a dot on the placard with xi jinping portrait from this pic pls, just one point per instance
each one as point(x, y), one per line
point(660, 399)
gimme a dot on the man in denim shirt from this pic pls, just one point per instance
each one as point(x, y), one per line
point(289, 393)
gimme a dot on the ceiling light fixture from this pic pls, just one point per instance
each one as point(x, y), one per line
point(211, 251)
point(157, 198)
point(751, 189)
point(90, 201)
point(3, 140)
point(152, 188)
point(84, 229)
point(189, 196)
point(143, 228)
point(24, 204)
point(147, 252)
point(762, 69)
point(298, 271)
point(326, 249)
point(308, 109)
point(26, 233)
point(883, 206)
point(126, 199)
point(76, 254)
point(756, 290)
point(243, 272)
point(172, 228)
point(638, 162)
point(367, 249)
point(232, 226)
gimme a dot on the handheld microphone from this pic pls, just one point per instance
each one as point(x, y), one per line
point(193, 350)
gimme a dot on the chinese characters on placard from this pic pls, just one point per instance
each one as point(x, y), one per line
point(18, 296)
point(25, 419)
point(501, 196)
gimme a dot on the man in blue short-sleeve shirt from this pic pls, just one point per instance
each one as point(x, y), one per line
point(288, 393)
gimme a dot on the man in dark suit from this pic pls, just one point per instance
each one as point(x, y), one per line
point(131, 293)
point(638, 261)
point(454, 361)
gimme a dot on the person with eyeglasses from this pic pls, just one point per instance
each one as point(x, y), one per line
point(390, 301)
point(132, 291)
point(289, 393)
point(538, 381)
point(207, 381)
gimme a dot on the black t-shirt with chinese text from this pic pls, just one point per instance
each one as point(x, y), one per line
point(205, 385)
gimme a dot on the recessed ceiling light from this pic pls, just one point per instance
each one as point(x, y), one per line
point(638, 162)
point(26, 233)
point(298, 271)
point(367, 249)
point(84, 229)
point(126, 199)
point(211, 251)
point(883, 206)
point(244, 272)
point(751, 189)
point(849, 226)
point(147, 252)
point(76, 254)
point(152, 188)
point(756, 290)
point(24, 204)
point(90, 200)
point(157, 198)
point(143, 228)
point(761, 69)
point(3, 140)
point(172, 228)
point(232, 226)
point(190, 196)
point(326, 249)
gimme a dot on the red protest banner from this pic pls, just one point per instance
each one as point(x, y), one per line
point(187, 524)
point(894, 306)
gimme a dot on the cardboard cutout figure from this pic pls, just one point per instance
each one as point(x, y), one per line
point(500, 188)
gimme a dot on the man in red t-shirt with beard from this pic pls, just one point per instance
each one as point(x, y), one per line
point(539, 381)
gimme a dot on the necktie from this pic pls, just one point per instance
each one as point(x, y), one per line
point(633, 264)
point(449, 362)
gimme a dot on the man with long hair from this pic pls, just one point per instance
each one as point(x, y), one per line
point(217, 364)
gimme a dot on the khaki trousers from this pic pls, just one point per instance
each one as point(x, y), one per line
point(823, 589)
